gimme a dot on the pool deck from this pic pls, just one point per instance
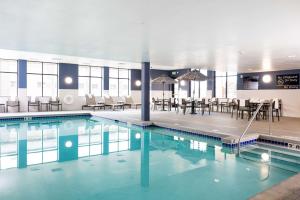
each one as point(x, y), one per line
point(286, 190)
point(216, 124)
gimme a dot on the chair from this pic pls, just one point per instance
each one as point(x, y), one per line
point(224, 103)
point(129, 102)
point(205, 104)
point(3, 104)
point(243, 106)
point(155, 103)
point(55, 101)
point(276, 109)
point(13, 102)
point(90, 102)
point(214, 103)
point(44, 102)
point(184, 106)
point(33, 102)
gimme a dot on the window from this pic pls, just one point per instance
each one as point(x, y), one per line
point(119, 82)
point(90, 80)
point(220, 84)
point(231, 85)
point(42, 79)
point(199, 86)
point(8, 78)
point(226, 85)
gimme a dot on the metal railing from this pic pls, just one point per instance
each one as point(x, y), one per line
point(252, 119)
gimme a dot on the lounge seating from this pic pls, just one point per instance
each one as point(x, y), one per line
point(129, 102)
point(90, 102)
point(109, 102)
point(33, 102)
point(3, 104)
point(12, 103)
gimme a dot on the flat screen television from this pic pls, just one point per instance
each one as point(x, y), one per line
point(250, 82)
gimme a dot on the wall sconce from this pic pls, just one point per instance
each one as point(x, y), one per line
point(138, 83)
point(68, 80)
point(267, 78)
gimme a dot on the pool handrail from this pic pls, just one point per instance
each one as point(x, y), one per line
point(251, 121)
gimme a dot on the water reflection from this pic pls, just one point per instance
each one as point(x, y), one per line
point(30, 143)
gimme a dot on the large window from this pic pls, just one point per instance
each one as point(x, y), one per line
point(119, 82)
point(42, 79)
point(8, 78)
point(226, 85)
point(90, 80)
point(199, 87)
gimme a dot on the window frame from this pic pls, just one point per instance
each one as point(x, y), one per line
point(45, 74)
point(118, 78)
point(16, 73)
point(226, 76)
point(90, 76)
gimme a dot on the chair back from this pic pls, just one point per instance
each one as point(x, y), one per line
point(90, 100)
point(276, 103)
point(55, 99)
point(129, 100)
point(108, 100)
point(44, 99)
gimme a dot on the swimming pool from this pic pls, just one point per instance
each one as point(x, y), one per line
point(91, 158)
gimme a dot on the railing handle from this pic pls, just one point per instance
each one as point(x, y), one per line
point(248, 126)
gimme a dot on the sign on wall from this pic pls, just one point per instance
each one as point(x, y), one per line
point(287, 81)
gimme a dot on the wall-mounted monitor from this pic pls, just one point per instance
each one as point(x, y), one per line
point(250, 82)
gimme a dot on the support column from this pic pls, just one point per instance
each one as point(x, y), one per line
point(145, 91)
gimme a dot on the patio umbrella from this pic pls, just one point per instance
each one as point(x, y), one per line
point(194, 75)
point(163, 79)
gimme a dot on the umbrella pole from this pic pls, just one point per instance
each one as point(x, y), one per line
point(194, 91)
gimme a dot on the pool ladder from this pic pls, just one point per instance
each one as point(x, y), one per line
point(252, 119)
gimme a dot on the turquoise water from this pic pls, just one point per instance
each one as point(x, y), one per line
point(91, 158)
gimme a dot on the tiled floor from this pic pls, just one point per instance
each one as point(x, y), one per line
point(216, 122)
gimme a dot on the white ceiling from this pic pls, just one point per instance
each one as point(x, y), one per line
point(243, 35)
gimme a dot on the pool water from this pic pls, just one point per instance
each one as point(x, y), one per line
point(91, 158)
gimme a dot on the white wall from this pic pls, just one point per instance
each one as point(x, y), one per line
point(290, 99)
